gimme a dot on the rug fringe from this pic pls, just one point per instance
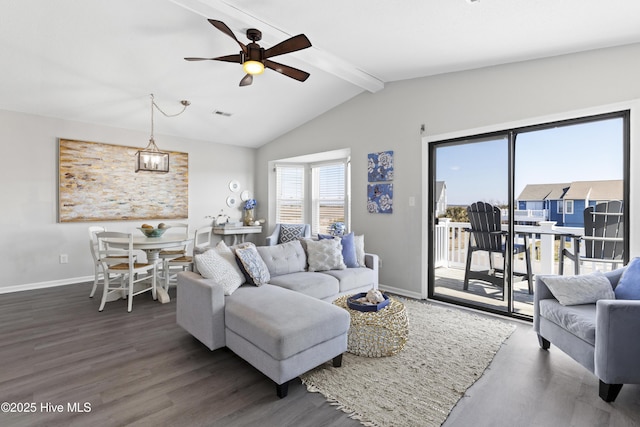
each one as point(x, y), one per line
point(334, 402)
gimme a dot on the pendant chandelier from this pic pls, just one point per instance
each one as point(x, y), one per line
point(151, 159)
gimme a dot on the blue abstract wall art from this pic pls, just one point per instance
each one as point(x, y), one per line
point(380, 198)
point(379, 191)
point(380, 167)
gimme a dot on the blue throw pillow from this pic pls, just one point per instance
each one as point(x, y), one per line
point(349, 251)
point(629, 284)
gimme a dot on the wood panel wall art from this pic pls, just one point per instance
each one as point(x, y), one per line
point(97, 182)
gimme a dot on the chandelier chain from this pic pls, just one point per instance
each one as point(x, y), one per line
point(185, 104)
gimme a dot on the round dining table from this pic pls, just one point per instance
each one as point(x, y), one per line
point(152, 247)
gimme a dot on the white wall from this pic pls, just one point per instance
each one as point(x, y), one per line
point(31, 239)
point(446, 104)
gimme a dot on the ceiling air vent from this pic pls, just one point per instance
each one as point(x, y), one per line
point(222, 113)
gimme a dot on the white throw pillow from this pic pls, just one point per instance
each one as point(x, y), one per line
point(359, 243)
point(582, 289)
point(225, 252)
point(325, 255)
point(211, 265)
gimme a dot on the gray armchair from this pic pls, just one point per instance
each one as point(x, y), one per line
point(602, 337)
point(274, 238)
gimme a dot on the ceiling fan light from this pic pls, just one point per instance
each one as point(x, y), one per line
point(253, 67)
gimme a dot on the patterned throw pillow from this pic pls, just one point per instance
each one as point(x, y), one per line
point(325, 255)
point(211, 265)
point(290, 232)
point(349, 252)
point(253, 264)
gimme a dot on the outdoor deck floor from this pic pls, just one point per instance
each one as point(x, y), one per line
point(449, 283)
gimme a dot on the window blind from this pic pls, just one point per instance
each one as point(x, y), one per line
point(328, 196)
point(290, 194)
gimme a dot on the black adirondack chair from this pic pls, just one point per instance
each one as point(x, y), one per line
point(486, 235)
point(603, 237)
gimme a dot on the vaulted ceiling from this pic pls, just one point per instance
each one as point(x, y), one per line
point(97, 61)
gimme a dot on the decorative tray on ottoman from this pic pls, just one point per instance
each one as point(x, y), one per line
point(353, 304)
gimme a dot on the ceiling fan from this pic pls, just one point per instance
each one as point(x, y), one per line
point(254, 58)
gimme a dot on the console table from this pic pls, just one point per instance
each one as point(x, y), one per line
point(237, 231)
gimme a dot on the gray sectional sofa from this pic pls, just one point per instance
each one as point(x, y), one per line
point(283, 328)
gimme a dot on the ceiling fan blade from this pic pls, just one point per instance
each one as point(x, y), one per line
point(288, 71)
point(199, 59)
point(293, 44)
point(230, 58)
point(246, 80)
point(223, 27)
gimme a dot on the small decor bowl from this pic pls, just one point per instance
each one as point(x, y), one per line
point(152, 232)
point(353, 304)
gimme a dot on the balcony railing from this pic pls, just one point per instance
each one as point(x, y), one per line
point(526, 215)
point(452, 240)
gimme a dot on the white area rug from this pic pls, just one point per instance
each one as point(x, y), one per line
point(448, 350)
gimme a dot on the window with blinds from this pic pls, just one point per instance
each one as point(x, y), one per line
point(290, 194)
point(328, 204)
point(321, 200)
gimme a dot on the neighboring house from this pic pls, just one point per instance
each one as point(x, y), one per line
point(564, 203)
point(441, 198)
point(538, 202)
point(555, 203)
point(588, 193)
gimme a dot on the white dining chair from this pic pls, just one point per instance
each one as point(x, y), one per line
point(175, 228)
point(97, 265)
point(201, 240)
point(94, 246)
point(127, 269)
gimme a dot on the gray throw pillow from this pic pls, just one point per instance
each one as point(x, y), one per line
point(582, 289)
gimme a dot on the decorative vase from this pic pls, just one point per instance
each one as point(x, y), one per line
point(248, 217)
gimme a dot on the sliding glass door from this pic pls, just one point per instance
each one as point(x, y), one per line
point(469, 175)
point(535, 183)
point(559, 171)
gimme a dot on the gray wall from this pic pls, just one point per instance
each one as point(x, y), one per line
point(31, 238)
point(387, 120)
point(448, 104)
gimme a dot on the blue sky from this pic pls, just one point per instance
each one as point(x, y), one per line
point(581, 152)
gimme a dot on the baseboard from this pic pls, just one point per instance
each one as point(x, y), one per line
point(43, 285)
point(398, 291)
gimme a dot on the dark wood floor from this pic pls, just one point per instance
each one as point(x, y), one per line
point(141, 369)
